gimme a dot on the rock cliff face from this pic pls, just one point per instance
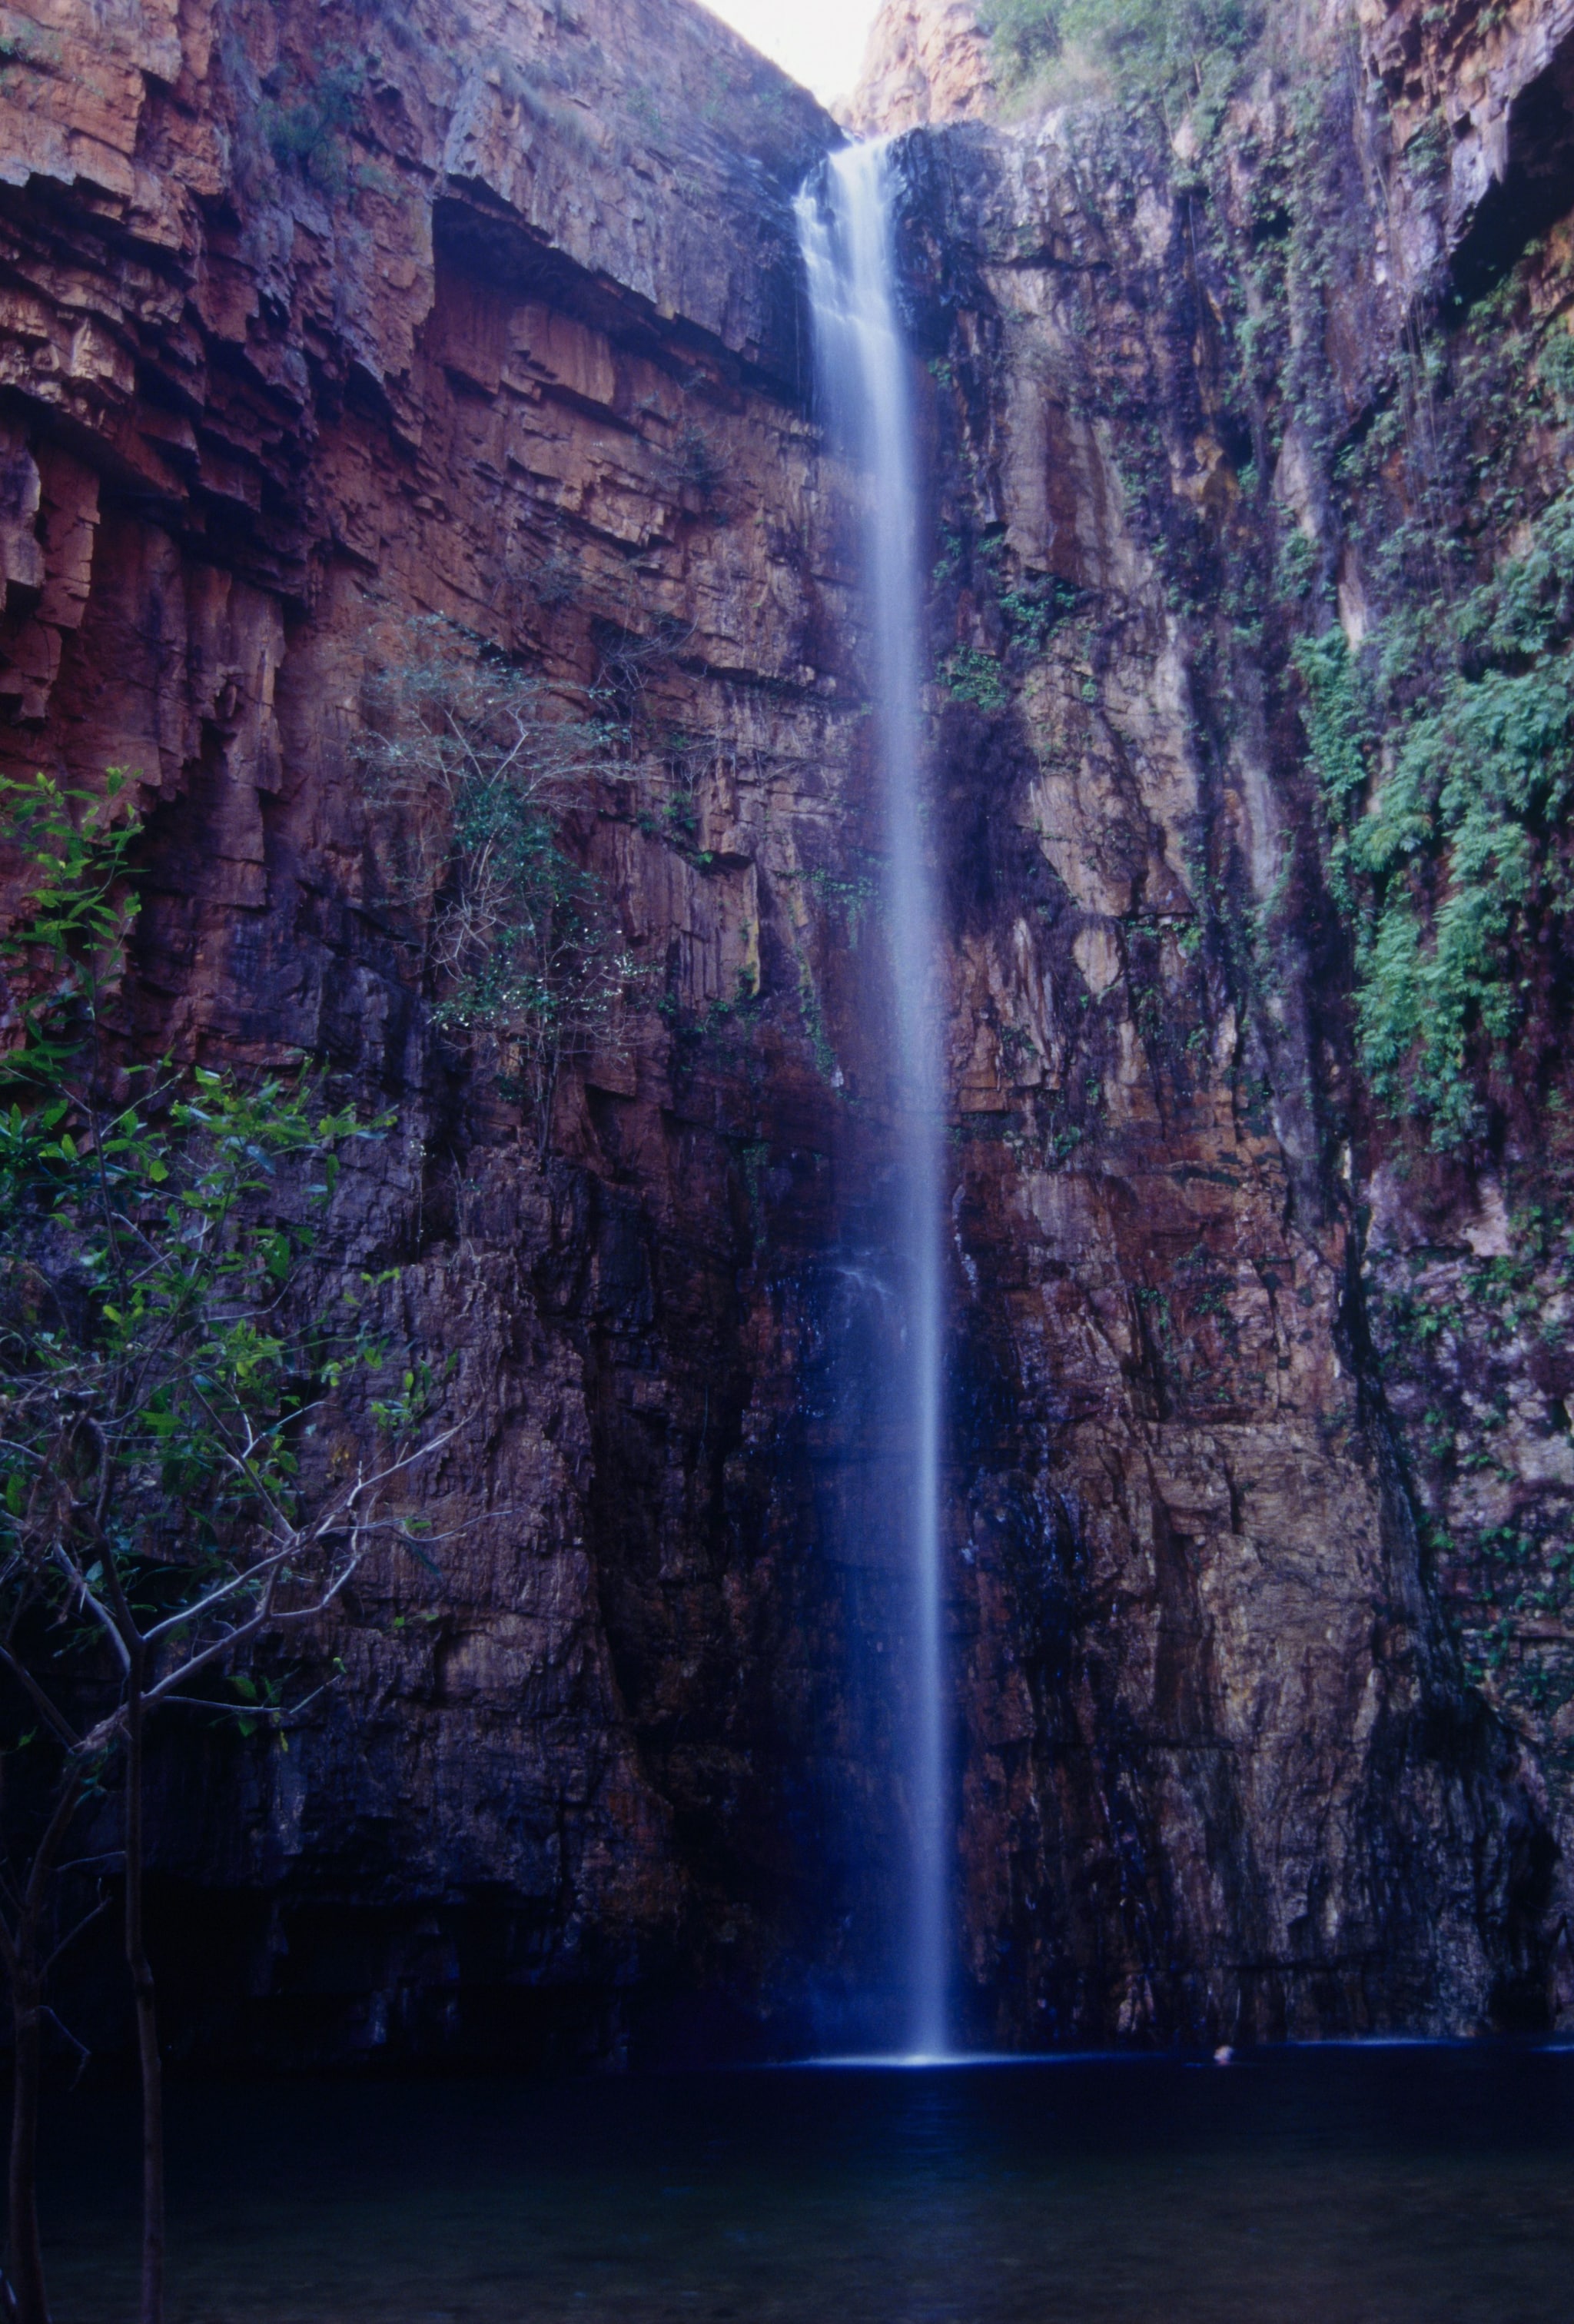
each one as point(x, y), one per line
point(316, 320)
point(1193, 1249)
point(313, 323)
point(925, 63)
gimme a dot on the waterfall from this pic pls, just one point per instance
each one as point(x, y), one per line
point(845, 232)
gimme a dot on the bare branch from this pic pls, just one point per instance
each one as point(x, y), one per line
point(278, 1712)
point(396, 1467)
point(90, 1603)
point(54, 1719)
point(68, 1799)
point(185, 1616)
point(83, 1925)
point(266, 1618)
point(84, 2055)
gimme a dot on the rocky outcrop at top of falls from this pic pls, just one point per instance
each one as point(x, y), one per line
point(1246, 421)
point(927, 62)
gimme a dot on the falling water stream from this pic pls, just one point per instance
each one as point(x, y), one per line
point(863, 361)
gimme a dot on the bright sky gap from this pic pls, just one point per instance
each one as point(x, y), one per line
point(819, 42)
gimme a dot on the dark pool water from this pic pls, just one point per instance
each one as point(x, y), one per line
point(1335, 2187)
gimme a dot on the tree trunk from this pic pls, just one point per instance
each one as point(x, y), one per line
point(24, 2255)
point(28, 2300)
point(151, 2310)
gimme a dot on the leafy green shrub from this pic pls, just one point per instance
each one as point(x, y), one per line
point(1555, 372)
point(164, 1339)
point(1461, 860)
point(1035, 607)
point(1457, 849)
point(1026, 33)
point(524, 946)
point(1297, 565)
point(1143, 45)
point(163, 1325)
point(1338, 728)
point(307, 133)
point(973, 675)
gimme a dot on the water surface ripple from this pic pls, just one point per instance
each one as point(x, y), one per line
point(1336, 2187)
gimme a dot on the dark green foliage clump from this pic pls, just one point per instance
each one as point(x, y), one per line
point(1336, 722)
point(699, 464)
point(157, 1239)
point(525, 951)
point(305, 130)
point(1443, 741)
point(973, 675)
point(1458, 865)
point(171, 1343)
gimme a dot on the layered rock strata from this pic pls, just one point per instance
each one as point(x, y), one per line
point(1190, 1246)
point(314, 324)
point(316, 321)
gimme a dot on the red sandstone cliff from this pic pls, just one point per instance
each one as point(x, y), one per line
point(316, 318)
point(928, 62)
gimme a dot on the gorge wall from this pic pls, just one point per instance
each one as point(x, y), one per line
point(317, 319)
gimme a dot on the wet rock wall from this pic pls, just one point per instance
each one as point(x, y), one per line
point(1222, 1626)
point(316, 321)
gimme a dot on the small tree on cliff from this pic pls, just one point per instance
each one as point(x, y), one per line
point(484, 765)
point(167, 1338)
point(1152, 46)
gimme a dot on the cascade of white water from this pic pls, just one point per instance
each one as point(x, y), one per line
point(863, 361)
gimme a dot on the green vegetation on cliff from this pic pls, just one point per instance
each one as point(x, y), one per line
point(1447, 813)
point(1445, 748)
point(1389, 561)
point(528, 958)
point(171, 1340)
point(1145, 44)
point(1347, 456)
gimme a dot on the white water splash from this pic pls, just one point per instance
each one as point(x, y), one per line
point(864, 363)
